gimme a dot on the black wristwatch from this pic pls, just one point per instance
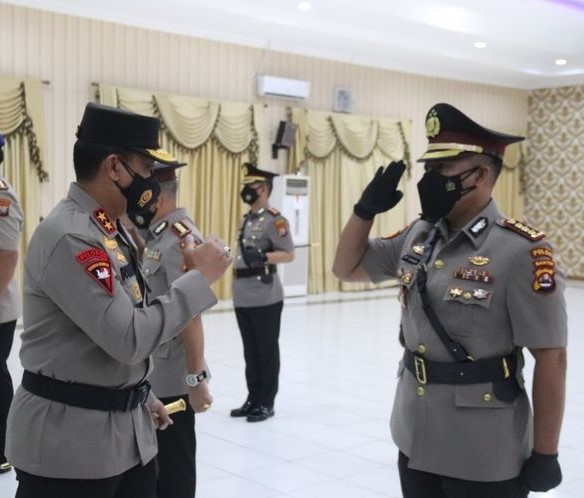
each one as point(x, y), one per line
point(193, 380)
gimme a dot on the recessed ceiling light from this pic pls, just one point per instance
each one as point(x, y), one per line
point(479, 44)
point(561, 62)
point(304, 6)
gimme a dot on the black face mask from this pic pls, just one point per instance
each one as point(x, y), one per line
point(141, 194)
point(249, 195)
point(439, 193)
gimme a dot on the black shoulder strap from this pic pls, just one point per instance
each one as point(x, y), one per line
point(456, 349)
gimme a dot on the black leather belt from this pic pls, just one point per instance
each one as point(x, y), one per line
point(467, 372)
point(254, 272)
point(84, 395)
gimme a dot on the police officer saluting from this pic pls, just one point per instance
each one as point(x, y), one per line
point(258, 297)
point(83, 421)
point(476, 288)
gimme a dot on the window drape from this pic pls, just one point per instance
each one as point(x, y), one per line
point(214, 138)
point(340, 154)
point(22, 124)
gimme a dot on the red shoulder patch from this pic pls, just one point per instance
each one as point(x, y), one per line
point(544, 270)
point(4, 207)
point(281, 227)
point(97, 265)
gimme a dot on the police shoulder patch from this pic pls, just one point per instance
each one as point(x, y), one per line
point(281, 226)
point(181, 229)
point(273, 211)
point(522, 229)
point(97, 265)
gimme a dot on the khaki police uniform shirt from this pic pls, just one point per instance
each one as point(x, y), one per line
point(84, 321)
point(493, 289)
point(11, 221)
point(267, 230)
point(162, 265)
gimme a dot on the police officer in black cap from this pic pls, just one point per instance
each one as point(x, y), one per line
point(476, 288)
point(258, 297)
point(83, 421)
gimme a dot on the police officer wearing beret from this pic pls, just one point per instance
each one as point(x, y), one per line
point(258, 297)
point(11, 221)
point(180, 370)
point(476, 288)
point(83, 421)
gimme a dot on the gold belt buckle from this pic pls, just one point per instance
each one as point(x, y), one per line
point(420, 367)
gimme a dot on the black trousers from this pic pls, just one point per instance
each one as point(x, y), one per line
point(177, 446)
point(418, 484)
point(137, 482)
point(6, 388)
point(260, 332)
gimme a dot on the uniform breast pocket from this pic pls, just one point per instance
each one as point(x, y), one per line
point(468, 309)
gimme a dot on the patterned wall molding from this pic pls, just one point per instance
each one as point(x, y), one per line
point(555, 172)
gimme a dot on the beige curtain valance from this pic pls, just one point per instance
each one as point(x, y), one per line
point(21, 112)
point(191, 122)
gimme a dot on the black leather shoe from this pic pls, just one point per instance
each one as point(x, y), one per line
point(243, 411)
point(260, 413)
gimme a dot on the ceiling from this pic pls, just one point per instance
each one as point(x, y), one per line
point(428, 37)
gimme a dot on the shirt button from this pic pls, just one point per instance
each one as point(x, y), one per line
point(487, 397)
point(438, 264)
point(421, 348)
point(420, 391)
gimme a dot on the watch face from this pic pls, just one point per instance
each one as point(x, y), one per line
point(192, 380)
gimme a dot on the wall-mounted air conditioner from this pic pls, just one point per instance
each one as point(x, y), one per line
point(273, 86)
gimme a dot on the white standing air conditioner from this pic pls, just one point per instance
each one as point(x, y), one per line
point(290, 196)
point(273, 86)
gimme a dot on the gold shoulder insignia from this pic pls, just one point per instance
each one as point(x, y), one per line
point(181, 229)
point(103, 220)
point(273, 211)
point(522, 229)
point(3, 185)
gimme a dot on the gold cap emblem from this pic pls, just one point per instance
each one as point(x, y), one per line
point(432, 124)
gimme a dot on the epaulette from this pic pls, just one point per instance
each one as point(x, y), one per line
point(522, 229)
point(104, 221)
point(3, 185)
point(273, 211)
point(181, 229)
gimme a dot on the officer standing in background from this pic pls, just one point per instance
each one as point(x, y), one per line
point(11, 221)
point(180, 370)
point(476, 288)
point(258, 297)
point(82, 424)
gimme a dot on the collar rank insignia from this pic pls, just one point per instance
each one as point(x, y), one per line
point(479, 226)
point(158, 229)
point(181, 229)
point(479, 260)
point(3, 185)
point(104, 221)
point(418, 249)
point(523, 229)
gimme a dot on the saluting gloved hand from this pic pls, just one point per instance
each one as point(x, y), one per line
point(381, 194)
point(254, 257)
point(541, 472)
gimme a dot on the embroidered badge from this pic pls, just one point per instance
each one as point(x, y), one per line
point(181, 229)
point(4, 207)
point(479, 260)
point(479, 227)
point(160, 227)
point(523, 229)
point(281, 227)
point(97, 265)
point(544, 270)
point(103, 219)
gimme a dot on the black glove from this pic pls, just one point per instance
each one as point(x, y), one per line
point(254, 257)
point(381, 194)
point(541, 472)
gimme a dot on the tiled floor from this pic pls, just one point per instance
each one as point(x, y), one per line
point(330, 435)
